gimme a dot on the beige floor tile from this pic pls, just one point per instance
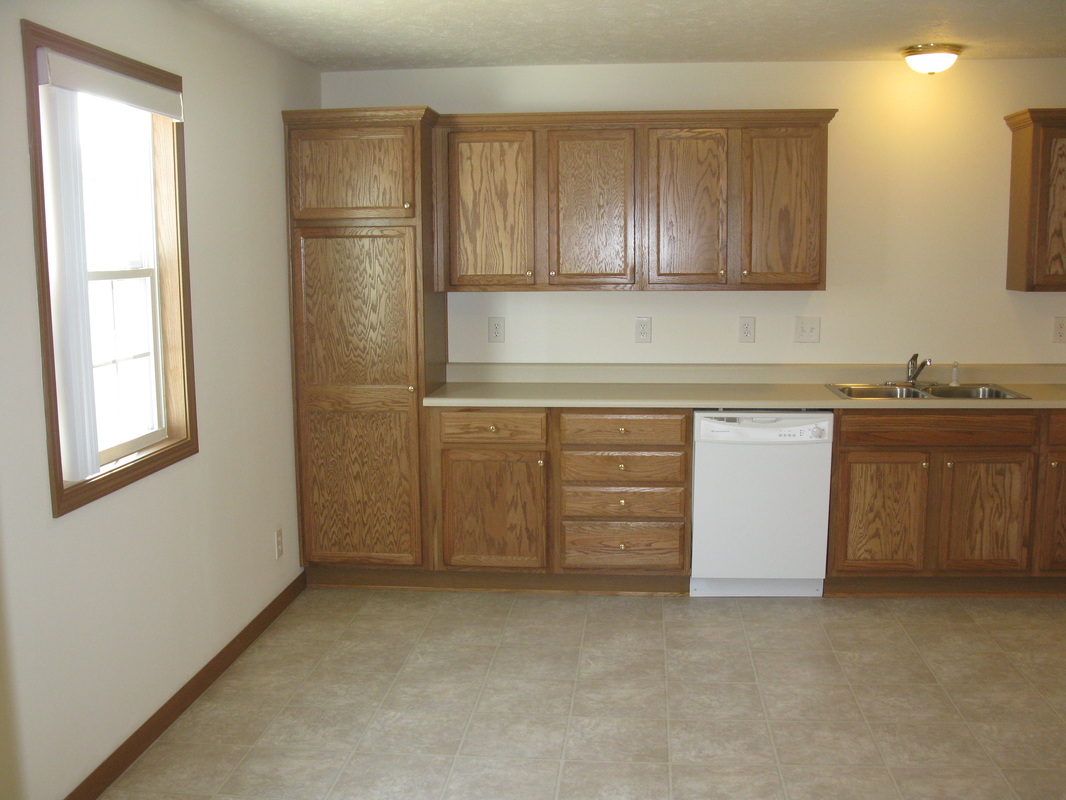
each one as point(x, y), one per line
point(797, 666)
point(704, 609)
point(549, 607)
point(697, 782)
point(392, 777)
point(232, 720)
point(885, 666)
point(481, 604)
point(456, 661)
point(620, 698)
point(839, 783)
point(778, 609)
point(1024, 744)
point(353, 690)
point(968, 667)
point(634, 665)
point(402, 603)
point(384, 630)
point(713, 701)
point(916, 702)
point(1055, 693)
point(566, 633)
point(182, 767)
point(865, 637)
point(535, 663)
point(524, 696)
point(810, 701)
point(951, 783)
point(472, 630)
point(635, 634)
point(951, 637)
point(1029, 636)
point(999, 702)
point(265, 683)
point(1040, 666)
point(625, 608)
point(721, 742)
point(514, 736)
point(310, 623)
point(709, 666)
point(583, 781)
point(285, 773)
point(430, 733)
point(607, 739)
point(798, 635)
point(126, 794)
point(296, 656)
point(332, 599)
point(502, 779)
point(369, 655)
point(928, 744)
point(824, 742)
point(856, 609)
point(690, 634)
point(429, 692)
point(1037, 784)
point(318, 728)
point(929, 609)
point(986, 610)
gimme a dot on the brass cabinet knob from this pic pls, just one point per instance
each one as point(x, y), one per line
point(721, 272)
point(410, 388)
point(951, 464)
point(540, 462)
point(622, 546)
point(492, 428)
point(529, 273)
point(552, 273)
point(925, 465)
point(621, 502)
point(621, 430)
point(745, 272)
point(406, 205)
point(623, 466)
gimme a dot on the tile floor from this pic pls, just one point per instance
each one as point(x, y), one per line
point(378, 695)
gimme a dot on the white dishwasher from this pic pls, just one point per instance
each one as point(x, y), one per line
point(760, 502)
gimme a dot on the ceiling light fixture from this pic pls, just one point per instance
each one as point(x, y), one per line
point(931, 58)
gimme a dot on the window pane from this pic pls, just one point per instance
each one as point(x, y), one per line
point(133, 316)
point(116, 158)
point(125, 401)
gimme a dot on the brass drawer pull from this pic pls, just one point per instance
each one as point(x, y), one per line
point(492, 428)
point(925, 465)
point(529, 273)
point(622, 546)
point(621, 502)
point(621, 430)
point(623, 466)
point(951, 464)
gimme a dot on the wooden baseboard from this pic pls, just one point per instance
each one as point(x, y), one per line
point(370, 578)
point(117, 763)
point(870, 586)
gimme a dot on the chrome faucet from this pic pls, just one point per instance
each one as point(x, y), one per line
point(915, 367)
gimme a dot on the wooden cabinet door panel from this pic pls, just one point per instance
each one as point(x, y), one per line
point(490, 189)
point(355, 306)
point(1051, 527)
point(623, 545)
point(623, 466)
point(885, 526)
point(687, 202)
point(591, 206)
point(1050, 263)
point(360, 485)
point(985, 516)
point(352, 172)
point(782, 225)
point(624, 501)
point(495, 508)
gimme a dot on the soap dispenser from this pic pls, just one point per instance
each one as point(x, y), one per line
point(954, 374)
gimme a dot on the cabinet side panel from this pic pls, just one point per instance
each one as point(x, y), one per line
point(357, 310)
point(360, 488)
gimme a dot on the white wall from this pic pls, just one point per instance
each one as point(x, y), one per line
point(111, 608)
point(919, 169)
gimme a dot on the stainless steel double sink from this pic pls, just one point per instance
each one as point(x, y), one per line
point(888, 391)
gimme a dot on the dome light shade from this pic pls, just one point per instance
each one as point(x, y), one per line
point(931, 58)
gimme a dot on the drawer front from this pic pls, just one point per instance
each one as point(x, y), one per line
point(950, 429)
point(623, 545)
point(489, 426)
point(623, 501)
point(623, 429)
point(623, 466)
point(1057, 429)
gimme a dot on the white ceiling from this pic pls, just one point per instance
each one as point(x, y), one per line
point(403, 34)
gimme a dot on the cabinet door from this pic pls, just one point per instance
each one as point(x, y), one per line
point(687, 202)
point(1051, 524)
point(985, 511)
point(352, 173)
point(783, 219)
point(591, 206)
point(495, 508)
point(885, 496)
point(1049, 267)
point(490, 195)
point(356, 367)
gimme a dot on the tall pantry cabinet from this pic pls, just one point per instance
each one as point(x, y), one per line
point(368, 333)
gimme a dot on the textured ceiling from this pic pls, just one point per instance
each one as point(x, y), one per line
point(400, 34)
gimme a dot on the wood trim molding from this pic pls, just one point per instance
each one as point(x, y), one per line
point(127, 752)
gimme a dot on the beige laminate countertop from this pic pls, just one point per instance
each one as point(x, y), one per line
point(712, 395)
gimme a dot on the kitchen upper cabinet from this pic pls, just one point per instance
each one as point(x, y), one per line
point(367, 336)
point(491, 205)
point(668, 200)
point(591, 201)
point(1036, 242)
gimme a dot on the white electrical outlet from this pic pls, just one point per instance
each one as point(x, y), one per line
point(746, 329)
point(1058, 333)
point(496, 329)
point(279, 545)
point(642, 333)
point(808, 329)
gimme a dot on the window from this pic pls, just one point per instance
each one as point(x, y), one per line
point(112, 270)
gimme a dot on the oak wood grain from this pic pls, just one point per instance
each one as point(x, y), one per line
point(624, 501)
point(495, 508)
point(623, 545)
point(688, 205)
point(1051, 525)
point(494, 426)
point(623, 466)
point(623, 429)
point(1051, 264)
point(928, 429)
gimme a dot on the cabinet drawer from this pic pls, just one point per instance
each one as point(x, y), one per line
point(623, 466)
point(492, 426)
point(1057, 429)
point(623, 501)
point(623, 545)
point(931, 429)
point(623, 429)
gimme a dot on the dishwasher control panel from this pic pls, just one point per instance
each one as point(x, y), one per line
point(771, 428)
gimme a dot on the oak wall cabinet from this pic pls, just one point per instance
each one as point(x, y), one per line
point(668, 200)
point(368, 333)
point(1036, 243)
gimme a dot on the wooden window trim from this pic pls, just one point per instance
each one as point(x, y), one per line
point(173, 269)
